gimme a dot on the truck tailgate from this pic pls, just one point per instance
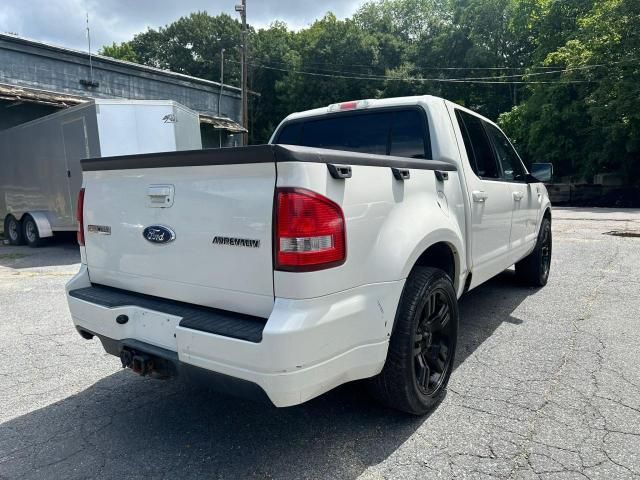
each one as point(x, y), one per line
point(200, 235)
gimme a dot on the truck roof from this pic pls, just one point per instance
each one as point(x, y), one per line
point(364, 104)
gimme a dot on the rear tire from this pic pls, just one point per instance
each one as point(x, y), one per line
point(422, 347)
point(30, 232)
point(13, 230)
point(533, 270)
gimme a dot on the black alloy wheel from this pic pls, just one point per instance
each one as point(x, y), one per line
point(534, 269)
point(545, 250)
point(433, 342)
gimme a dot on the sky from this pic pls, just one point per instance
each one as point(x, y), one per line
point(63, 22)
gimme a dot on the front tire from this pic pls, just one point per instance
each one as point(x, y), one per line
point(533, 270)
point(30, 232)
point(13, 230)
point(422, 346)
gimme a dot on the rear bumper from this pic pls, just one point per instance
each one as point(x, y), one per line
point(307, 348)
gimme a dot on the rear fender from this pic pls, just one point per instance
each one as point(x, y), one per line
point(452, 239)
point(42, 222)
point(545, 205)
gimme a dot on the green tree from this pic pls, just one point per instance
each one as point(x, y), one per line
point(122, 51)
point(191, 45)
point(407, 19)
point(330, 49)
point(594, 125)
point(272, 54)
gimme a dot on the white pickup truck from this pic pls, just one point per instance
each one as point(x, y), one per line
point(335, 253)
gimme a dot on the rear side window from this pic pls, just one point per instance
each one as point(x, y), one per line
point(401, 133)
point(407, 135)
point(477, 145)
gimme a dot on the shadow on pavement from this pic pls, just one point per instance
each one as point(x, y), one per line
point(128, 427)
point(485, 308)
point(57, 251)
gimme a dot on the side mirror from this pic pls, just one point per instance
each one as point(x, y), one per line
point(541, 172)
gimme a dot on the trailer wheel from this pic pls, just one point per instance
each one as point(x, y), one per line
point(30, 232)
point(13, 230)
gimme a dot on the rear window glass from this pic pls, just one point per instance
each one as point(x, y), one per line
point(356, 133)
point(290, 134)
point(401, 133)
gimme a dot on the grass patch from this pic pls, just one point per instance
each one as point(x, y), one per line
point(12, 256)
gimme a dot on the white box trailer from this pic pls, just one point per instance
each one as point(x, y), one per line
point(40, 173)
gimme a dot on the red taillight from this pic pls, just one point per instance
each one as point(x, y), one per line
point(309, 231)
point(80, 217)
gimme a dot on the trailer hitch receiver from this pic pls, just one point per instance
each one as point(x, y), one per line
point(140, 363)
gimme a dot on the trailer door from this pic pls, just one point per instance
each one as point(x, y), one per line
point(76, 147)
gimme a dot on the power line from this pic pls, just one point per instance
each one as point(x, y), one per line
point(564, 70)
point(355, 76)
point(344, 74)
point(360, 65)
point(542, 67)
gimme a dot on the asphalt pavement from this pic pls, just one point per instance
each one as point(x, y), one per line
point(546, 385)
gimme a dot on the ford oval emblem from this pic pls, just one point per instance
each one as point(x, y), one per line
point(159, 234)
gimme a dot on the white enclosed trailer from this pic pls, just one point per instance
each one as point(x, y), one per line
point(40, 173)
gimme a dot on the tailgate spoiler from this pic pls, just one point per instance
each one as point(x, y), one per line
point(259, 154)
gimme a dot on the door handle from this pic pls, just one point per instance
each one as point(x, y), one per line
point(517, 196)
point(160, 196)
point(479, 196)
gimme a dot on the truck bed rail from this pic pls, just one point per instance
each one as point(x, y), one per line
point(259, 154)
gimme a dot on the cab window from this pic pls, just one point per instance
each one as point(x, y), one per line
point(408, 135)
point(512, 168)
point(476, 143)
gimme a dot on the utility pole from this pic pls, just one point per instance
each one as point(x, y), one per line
point(90, 59)
point(221, 79)
point(221, 86)
point(242, 10)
